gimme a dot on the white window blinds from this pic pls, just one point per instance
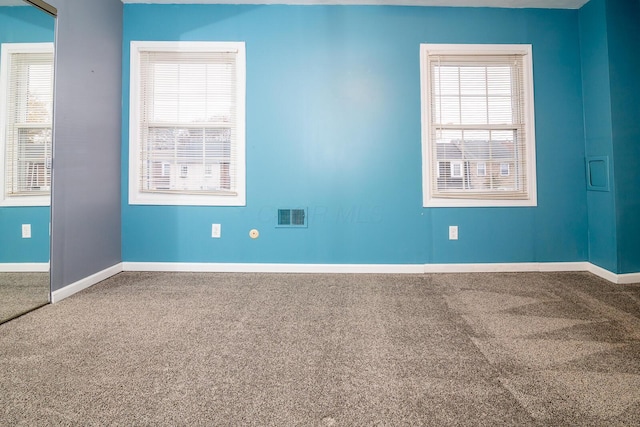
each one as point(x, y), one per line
point(477, 123)
point(188, 133)
point(29, 105)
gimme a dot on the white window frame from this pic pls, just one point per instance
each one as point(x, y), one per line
point(504, 169)
point(7, 50)
point(137, 197)
point(429, 200)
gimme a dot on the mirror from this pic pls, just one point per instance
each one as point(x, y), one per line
point(26, 102)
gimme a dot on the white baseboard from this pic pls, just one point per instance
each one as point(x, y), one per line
point(67, 291)
point(514, 267)
point(533, 267)
point(628, 278)
point(622, 279)
point(272, 268)
point(71, 289)
point(24, 267)
point(382, 268)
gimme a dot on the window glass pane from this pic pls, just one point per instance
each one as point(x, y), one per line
point(473, 110)
point(447, 110)
point(499, 81)
point(477, 135)
point(446, 81)
point(192, 92)
point(39, 92)
point(190, 145)
point(218, 144)
point(33, 162)
point(500, 110)
point(473, 81)
point(446, 135)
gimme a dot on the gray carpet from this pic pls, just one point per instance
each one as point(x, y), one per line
point(21, 292)
point(540, 349)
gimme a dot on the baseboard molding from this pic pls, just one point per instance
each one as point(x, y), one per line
point(196, 267)
point(382, 268)
point(67, 291)
point(628, 278)
point(515, 267)
point(273, 268)
point(24, 267)
point(622, 279)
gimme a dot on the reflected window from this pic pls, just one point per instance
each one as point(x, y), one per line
point(26, 72)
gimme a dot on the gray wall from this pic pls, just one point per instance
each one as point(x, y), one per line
point(86, 226)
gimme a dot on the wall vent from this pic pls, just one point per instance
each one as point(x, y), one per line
point(292, 217)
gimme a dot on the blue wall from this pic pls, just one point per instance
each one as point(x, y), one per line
point(24, 25)
point(598, 131)
point(609, 34)
point(623, 19)
point(333, 123)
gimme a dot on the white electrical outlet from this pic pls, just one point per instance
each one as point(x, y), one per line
point(26, 231)
point(453, 232)
point(215, 231)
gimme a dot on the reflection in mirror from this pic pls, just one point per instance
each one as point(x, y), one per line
point(26, 104)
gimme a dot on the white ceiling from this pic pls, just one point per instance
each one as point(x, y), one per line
point(547, 4)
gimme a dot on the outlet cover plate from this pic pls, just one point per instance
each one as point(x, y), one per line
point(453, 232)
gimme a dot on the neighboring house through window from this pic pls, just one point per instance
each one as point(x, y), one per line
point(26, 84)
point(477, 106)
point(187, 123)
point(481, 169)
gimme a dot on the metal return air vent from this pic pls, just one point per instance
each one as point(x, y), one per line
point(292, 218)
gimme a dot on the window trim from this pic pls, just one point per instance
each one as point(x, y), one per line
point(6, 50)
point(137, 197)
point(427, 49)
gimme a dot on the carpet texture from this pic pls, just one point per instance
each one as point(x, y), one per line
point(538, 349)
point(21, 292)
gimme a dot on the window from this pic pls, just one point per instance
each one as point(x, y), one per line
point(26, 77)
point(477, 111)
point(187, 112)
point(481, 169)
point(456, 169)
point(166, 169)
